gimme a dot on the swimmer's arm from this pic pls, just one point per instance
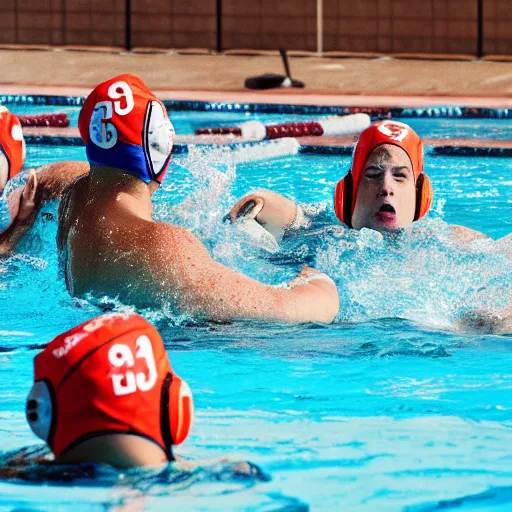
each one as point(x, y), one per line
point(52, 180)
point(273, 211)
point(464, 236)
point(11, 236)
point(26, 210)
point(210, 289)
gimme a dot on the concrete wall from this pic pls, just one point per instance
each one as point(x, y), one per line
point(384, 26)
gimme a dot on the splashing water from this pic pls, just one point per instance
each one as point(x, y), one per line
point(419, 274)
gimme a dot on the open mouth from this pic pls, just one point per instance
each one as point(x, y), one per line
point(387, 208)
point(386, 215)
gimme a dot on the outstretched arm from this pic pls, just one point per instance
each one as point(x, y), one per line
point(209, 289)
point(464, 235)
point(52, 180)
point(26, 210)
point(273, 211)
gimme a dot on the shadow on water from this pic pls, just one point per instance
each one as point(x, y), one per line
point(493, 497)
point(194, 480)
point(385, 337)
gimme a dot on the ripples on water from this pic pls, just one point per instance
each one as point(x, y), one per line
point(390, 407)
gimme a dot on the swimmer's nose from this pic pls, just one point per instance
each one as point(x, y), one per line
point(386, 186)
point(384, 192)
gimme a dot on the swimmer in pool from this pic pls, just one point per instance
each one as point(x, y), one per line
point(385, 190)
point(104, 392)
point(110, 245)
point(42, 185)
point(12, 155)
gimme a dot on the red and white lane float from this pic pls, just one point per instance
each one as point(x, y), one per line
point(41, 120)
point(335, 126)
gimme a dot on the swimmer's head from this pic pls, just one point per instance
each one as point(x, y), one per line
point(12, 146)
point(386, 187)
point(104, 383)
point(124, 126)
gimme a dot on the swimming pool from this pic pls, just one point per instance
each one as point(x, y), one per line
point(439, 122)
point(389, 408)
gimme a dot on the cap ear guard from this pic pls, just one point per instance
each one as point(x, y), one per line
point(181, 410)
point(343, 199)
point(39, 410)
point(158, 140)
point(177, 411)
point(4, 164)
point(424, 195)
point(12, 143)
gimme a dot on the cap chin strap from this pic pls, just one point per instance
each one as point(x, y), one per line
point(348, 189)
point(419, 187)
point(165, 423)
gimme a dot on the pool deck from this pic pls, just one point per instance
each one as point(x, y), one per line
point(332, 81)
point(384, 80)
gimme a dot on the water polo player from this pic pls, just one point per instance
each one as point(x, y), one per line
point(111, 246)
point(105, 392)
point(385, 189)
point(12, 156)
point(44, 184)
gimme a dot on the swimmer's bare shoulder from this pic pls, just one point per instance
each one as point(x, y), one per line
point(207, 288)
point(68, 211)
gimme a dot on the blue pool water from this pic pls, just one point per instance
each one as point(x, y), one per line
point(390, 408)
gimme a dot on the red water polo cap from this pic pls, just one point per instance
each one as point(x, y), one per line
point(124, 126)
point(108, 375)
point(383, 132)
point(12, 143)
